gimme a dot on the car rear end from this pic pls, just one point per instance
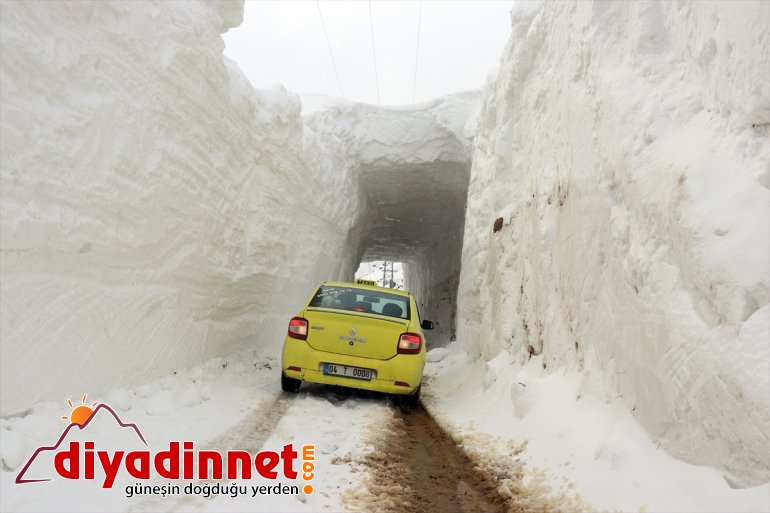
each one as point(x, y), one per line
point(356, 336)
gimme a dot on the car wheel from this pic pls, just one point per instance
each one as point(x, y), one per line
point(413, 401)
point(290, 384)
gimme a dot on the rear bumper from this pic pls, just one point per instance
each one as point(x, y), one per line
point(403, 367)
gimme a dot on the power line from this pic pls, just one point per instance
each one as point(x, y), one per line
point(328, 45)
point(417, 52)
point(374, 54)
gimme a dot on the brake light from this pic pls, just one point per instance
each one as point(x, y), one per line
point(298, 328)
point(409, 343)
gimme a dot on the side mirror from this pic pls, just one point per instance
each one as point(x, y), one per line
point(426, 325)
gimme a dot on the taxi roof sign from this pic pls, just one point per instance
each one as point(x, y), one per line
point(366, 282)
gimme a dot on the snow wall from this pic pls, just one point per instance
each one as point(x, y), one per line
point(625, 145)
point(157, 211)
point(152, 202)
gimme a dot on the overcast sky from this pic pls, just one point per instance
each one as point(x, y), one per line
point(283, 42)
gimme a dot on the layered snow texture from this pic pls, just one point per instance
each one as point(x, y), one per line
point(157, 211)
point(625, 147)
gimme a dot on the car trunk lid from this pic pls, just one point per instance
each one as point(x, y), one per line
point(353, 333)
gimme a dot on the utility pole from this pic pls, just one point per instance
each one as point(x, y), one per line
point(387, 267)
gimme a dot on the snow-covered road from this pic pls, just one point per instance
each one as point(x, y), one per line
point(371, 454)
point(225, 404)
point(546, 452)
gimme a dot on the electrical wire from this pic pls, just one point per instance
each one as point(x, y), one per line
point(417, 52)
point(374, 54)
point(329, 46)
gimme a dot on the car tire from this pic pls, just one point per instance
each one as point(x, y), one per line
point(290, 384)
point(413, 401)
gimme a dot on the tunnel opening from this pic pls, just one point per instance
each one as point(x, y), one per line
point(416, 217)
point(386, 273)
point(405, 192)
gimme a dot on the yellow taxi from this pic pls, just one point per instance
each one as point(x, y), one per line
point(357, 335)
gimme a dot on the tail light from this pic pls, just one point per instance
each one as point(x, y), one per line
point(409, 343)
point(298, 328)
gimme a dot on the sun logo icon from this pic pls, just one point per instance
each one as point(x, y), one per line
point(80, 414)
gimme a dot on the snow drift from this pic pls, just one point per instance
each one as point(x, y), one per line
point(625, 147)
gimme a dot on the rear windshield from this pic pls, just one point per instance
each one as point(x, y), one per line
point(360, 300)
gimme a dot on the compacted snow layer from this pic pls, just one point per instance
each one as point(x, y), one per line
point(158, 211)
point(626, 148)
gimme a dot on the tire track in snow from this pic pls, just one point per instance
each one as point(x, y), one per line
point(337, 421)
point(414, 465)
point(417, 468)
point(249, 434)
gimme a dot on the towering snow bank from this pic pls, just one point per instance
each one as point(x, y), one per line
point(152, 201)
point(625, 146)
point(157, 211)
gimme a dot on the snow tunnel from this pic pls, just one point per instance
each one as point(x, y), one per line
point(415, 215)
point(412, 168)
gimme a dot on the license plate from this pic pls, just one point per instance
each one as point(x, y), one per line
point(332, 369)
